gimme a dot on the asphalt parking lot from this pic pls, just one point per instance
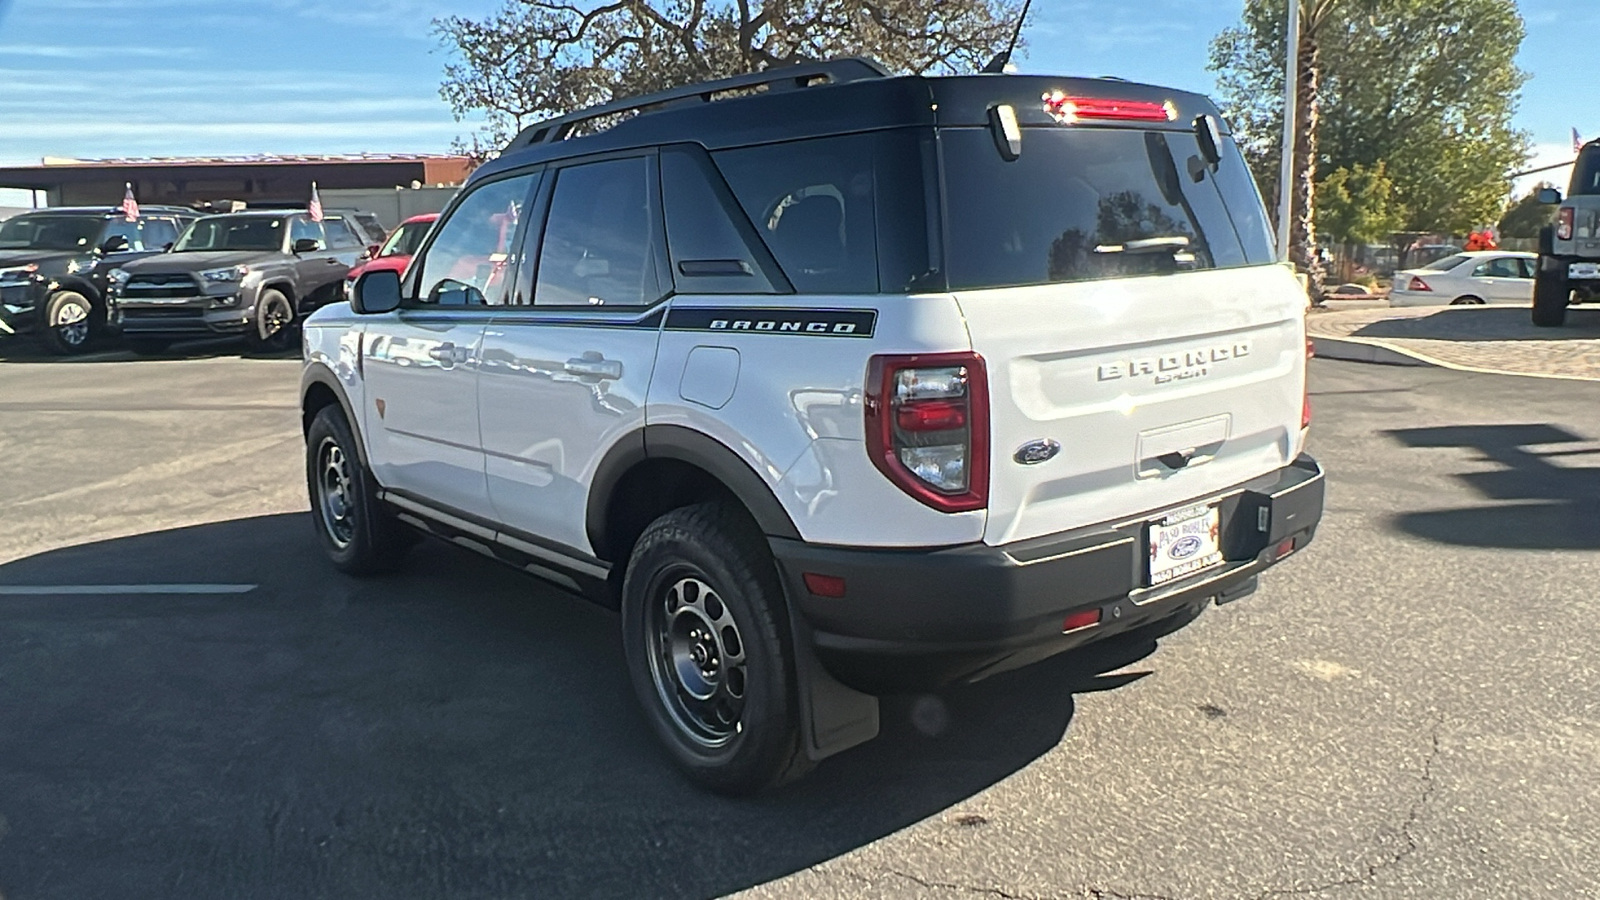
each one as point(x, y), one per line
point(1410, 708)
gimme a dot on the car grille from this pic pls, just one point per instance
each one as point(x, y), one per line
point(161, 284)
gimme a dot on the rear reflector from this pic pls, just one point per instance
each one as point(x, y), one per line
point(1284, 549)
point(1305, 390)
point(1081, 619)
point(1070, 110)
point(824, 585)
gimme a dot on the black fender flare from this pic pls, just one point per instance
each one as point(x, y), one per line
point(697, 449)
point(78, 285)
point(319, 374)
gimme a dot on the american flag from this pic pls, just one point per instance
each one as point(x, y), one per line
point(130, 206)
point(315, 206)
point(1577, 142)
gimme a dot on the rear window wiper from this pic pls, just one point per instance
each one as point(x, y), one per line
point(1172, 244)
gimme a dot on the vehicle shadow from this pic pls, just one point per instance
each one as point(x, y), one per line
point(454, 730)
point(1485, 323)
point(1540, 504)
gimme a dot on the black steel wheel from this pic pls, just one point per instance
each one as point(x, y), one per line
point(706, 635)
point(67, 323)
point(359, 535)
point(275, 327)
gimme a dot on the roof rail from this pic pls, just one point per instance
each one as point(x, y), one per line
point(834, 71)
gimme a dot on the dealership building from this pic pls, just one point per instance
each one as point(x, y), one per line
point(393, 185)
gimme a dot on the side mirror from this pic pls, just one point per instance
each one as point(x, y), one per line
point(376, 292)
point(115, 244)
point(1549, 196)
point(306, 245)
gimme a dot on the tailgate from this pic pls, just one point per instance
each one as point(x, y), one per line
point(1159, 390)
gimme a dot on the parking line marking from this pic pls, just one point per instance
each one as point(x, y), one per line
point(111, 589)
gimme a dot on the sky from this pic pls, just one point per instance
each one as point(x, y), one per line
point(119, 78)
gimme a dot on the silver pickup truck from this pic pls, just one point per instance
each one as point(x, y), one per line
point(1569, 249)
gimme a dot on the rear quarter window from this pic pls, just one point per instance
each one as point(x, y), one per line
point(1084, 204)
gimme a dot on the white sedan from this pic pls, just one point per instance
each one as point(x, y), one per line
point(1468, 279)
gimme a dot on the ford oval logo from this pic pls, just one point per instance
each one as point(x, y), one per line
point(1185, 548)
point(1034, 452)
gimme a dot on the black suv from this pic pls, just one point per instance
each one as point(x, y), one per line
point(54, 263)
point(251, 274)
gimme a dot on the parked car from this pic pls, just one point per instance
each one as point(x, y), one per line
point(54, 264)
point(1468, 279)
point(251, 274)
point(1569, 250)
point(859, 383)
point(397, 251)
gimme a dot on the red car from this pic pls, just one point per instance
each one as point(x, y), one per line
point(397, 251)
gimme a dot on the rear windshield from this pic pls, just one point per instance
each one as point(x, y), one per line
point(1586, 174)
point(1084, 204)
point(1446, 264)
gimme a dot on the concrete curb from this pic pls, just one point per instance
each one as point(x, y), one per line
point(1368, 352)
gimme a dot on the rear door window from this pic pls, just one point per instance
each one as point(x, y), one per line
point(600, 237)
point(1087, 204)
point(706, 230)
point(340, 237)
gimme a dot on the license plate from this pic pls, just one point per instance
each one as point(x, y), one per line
point(1584, 270)
point(1184, 542)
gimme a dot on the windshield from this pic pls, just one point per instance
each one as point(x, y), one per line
point(1446, 264)
point(1088, 204)
point(49, 232)
point(232, 233)
point(1586, 174)
point(406, 239)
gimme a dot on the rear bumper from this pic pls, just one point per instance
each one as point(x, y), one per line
point(923, 618)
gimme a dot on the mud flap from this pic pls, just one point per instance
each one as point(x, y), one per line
point(833, 717)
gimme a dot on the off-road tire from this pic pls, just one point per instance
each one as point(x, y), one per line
point(359, 535)
point(275, 327)
point(716, 545)
point(73, 336)
point(1550, 294)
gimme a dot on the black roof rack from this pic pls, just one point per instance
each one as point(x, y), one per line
point(835, 71)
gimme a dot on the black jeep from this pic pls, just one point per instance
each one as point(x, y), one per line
point(54, 263)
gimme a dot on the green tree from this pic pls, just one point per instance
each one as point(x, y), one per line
point(533, 58)
point(1427, 87)
point(1356, 205)
point(1526, 215)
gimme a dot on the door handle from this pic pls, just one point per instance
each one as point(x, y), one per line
point(450, 354)
point(594, 367)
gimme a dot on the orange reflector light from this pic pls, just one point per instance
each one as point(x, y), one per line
point(824, 585)
point(1081, 619)
point(1285, 548)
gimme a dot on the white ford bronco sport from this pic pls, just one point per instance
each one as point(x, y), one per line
point(834, 383)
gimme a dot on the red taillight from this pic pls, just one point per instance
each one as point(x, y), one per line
point(1564, 220)
point(1068, 110)
point(1417, 284)
point(1305, 387)
point(1081, 619)
point(927, 418)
